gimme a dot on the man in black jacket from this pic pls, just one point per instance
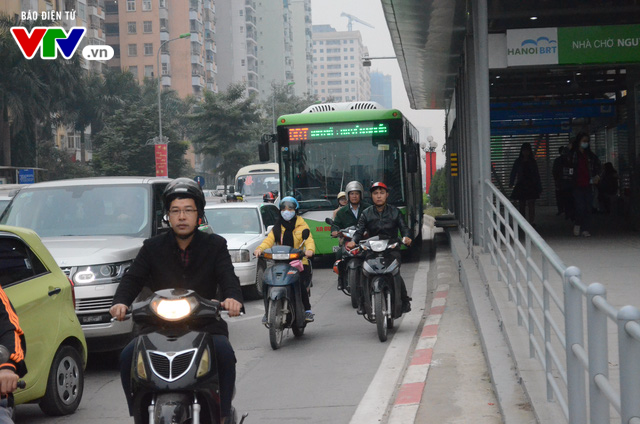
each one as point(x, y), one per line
point(185, 258)
point(12, 338)
point(385, 221)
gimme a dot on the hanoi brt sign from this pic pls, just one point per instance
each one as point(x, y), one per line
point(573, 45)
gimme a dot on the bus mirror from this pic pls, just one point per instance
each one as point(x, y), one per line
point(263, 152)
point(412, 160)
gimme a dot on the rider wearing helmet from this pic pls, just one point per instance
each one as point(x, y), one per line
point(384, 220)
point(190, 259)
point(342, 201)
point(287, 231)
point(269, 197)
point(348, 215)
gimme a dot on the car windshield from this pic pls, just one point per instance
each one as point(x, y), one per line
point(257, 184)
point(3, 204)
point(83, 211)
point(234, 220)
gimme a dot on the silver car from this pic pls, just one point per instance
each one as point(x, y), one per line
point(94, 228)
point(244, 226)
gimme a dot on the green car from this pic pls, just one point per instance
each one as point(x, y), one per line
point(44, 299)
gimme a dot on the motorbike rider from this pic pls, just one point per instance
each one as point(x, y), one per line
point(348, 215)
point(11, 337)
point(342, 202)
point(288, 231)
point(184, 258)
point(384, 220)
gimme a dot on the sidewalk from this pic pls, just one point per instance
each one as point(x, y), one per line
point(447, 379)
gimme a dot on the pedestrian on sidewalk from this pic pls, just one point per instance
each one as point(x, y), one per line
point(586, 174)
point(525, 180)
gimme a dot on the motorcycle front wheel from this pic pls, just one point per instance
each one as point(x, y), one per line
point(352, 280)
point(276, 322)
point(380, 308)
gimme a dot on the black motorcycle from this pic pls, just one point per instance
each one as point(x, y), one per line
point(283, 302)
point(174, 377)
point(349, 267)
point(381, 285)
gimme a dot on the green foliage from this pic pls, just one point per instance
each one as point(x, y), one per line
point(438, 192)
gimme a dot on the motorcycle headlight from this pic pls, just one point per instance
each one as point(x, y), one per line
point(378, 245)
point(101, 274)
point(239, 255)
point(205, 363)
point(140, 369)
point(173, 309)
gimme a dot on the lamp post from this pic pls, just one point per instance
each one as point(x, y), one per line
point(429, 147)
point(273, 115)
point(185, 35)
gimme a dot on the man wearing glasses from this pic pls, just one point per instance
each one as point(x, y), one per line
point(190, 259)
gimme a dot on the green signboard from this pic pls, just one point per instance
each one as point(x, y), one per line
point(599, 44)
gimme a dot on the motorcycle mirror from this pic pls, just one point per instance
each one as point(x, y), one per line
point(328, 221)
point(4, 354)
point(305, 234)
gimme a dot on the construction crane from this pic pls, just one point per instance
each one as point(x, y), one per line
point(353, 18)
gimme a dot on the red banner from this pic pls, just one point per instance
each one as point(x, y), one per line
point(162, 167)
point(431, 168)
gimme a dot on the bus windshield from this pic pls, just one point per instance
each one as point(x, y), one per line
point(316, 171)
point(257, 184)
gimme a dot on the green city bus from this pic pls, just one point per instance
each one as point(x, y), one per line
point(319, 152)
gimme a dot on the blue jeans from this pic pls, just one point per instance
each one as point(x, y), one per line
point(225, 358)
point(582, 202)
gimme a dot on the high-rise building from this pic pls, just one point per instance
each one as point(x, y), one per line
point(338, 72)
point(381, 89)
point(275, 42)
point(237, 45)
point(137, 28)
point(301, 28)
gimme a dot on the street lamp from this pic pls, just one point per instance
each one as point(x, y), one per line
point(273, 114)
point(430, 147)
point(185, 35)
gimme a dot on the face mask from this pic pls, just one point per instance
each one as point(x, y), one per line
point(584, 145)
point(287, 215)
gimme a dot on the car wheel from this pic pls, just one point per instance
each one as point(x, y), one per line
point(65, 383)
point(255, 291)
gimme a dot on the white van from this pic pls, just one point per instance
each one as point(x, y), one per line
point(94, 228)
point(253, 181)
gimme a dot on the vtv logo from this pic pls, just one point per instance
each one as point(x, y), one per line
point(50, 40)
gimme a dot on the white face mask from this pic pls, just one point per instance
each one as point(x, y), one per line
point(287, 215)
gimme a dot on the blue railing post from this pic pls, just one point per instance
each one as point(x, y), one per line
point(629, 351)
point(598, 354)
point(576, 395)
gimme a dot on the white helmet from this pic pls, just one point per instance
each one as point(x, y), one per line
point(355, 186)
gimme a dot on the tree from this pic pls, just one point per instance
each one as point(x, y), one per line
point(226, 127)
point(438, 192)
point(283, 101)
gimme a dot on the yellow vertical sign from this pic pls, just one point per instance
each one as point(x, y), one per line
point(453, 160)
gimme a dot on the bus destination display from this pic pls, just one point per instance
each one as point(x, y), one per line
point(324, 132)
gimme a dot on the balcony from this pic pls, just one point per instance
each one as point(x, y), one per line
point(196, 81)
point(166, 80)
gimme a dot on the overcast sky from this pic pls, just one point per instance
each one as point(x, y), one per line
point(378, 41)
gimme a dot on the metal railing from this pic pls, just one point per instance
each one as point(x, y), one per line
point(534, 274)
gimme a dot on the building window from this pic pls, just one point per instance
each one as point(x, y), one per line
point(242, 62)
point(165, 69)
point(148, 49)
point(346, 58)
point(81, 11)
point(164, 25)
point(163, 4)
point(241, 29)
point(71, 142)
point(133, 50)
point(131, 5)
point(241, 12)
point(146, 5)
point(148, 71)
point(134, 71)
point(131, 28)
point(147, 26)
point(112, 29)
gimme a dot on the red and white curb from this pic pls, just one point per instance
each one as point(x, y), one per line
point(408, 399)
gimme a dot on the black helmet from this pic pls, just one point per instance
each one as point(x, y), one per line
point(184, 188)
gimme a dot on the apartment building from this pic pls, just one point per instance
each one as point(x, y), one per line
point(237, 41)
point(381, 88)
point(338, 72)
point(275, 43)
point(301, 28)
point(138, 29)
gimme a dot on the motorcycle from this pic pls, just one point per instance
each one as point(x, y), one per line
point(382, 285)
point(174, 377)
point(349, 268)
point(283, 302)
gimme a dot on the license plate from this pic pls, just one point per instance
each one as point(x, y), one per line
point(92, 319)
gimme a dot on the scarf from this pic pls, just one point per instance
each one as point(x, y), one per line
point(285, 239)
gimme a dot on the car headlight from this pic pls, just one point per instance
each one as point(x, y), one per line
point(101, 274)
point(240, 255)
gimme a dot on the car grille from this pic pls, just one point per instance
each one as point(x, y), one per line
point(93, 304)
point(171, 368)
